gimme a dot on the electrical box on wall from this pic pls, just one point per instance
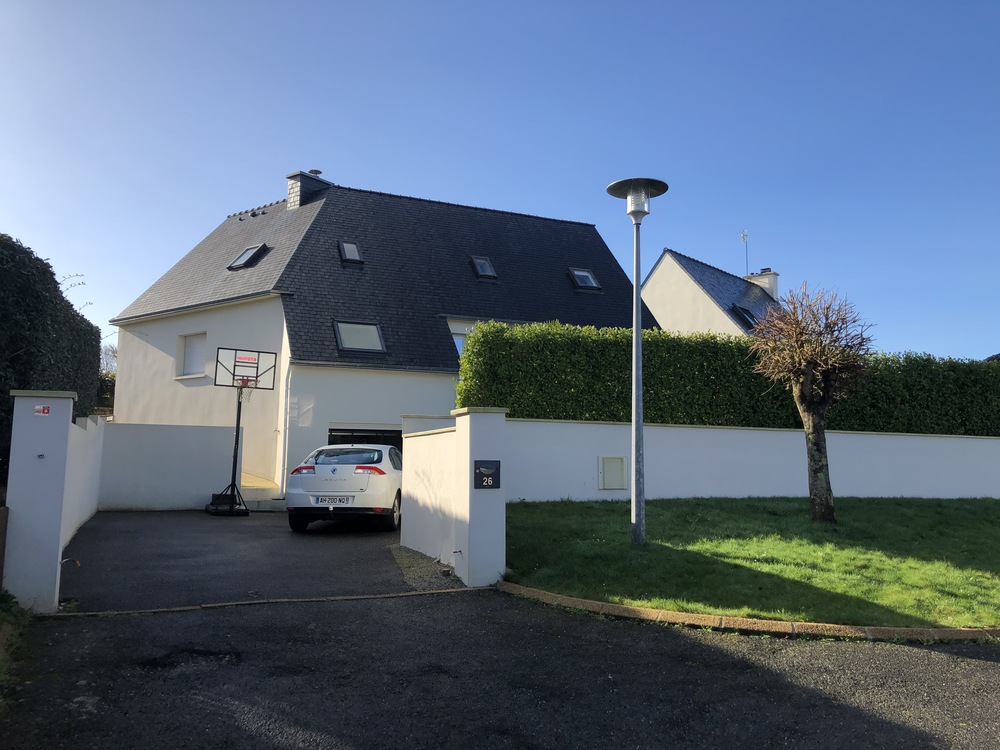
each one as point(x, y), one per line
point(613, 472)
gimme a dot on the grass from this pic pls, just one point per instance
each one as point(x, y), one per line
point(892, 562)
point(13, 620)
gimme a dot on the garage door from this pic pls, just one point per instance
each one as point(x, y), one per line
point(378, 437)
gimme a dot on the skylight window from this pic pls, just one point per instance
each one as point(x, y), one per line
point(350, 252)
point(249, 257)
point(358, 337)
point(483, 266)
point(747, 318)
point(584, 278)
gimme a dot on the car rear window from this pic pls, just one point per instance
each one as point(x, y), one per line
point(346, 456)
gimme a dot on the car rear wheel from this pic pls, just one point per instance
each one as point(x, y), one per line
point(297, 523)
point(391, 521)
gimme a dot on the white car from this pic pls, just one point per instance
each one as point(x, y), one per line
point(341, 481)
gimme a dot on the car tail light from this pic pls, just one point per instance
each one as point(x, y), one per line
point(303, 470)
point(368, 470)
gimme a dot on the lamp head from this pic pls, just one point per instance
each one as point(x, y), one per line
point(637, 191)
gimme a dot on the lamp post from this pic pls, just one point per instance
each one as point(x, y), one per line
point(637, 192)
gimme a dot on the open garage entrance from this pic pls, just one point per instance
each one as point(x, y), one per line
point(345, 436)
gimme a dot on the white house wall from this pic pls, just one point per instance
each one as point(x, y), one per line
point(679, 304)
point(347, 397)
point(150, 390)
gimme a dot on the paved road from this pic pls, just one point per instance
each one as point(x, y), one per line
point(473, 669)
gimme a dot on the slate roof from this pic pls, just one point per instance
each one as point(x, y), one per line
point(417, 272)
point(729, 292)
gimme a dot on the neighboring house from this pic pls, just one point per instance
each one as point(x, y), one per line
point(689, 296)
point(365, 297)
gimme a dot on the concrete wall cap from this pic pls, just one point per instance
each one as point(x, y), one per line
point(477, 410)
point(46, 394)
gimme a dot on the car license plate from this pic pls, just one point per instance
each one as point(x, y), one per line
point(333, 500)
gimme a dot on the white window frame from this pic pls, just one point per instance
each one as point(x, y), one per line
point(192, 350)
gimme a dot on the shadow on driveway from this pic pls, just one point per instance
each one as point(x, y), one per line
point(172, 559)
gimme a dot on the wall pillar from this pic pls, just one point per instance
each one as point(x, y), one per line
point(35, 493)
point(481, 513)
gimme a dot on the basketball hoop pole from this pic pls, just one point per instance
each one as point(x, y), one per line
point(236, 445)
point(230, 502)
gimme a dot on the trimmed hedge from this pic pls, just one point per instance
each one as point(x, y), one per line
point(552, 371)
point(45, 344)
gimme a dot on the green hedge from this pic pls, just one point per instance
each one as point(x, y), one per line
point(45, 344)
point(552, 371)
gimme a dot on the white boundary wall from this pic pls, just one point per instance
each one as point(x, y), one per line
point(51, 491)
point(61, 473)
point(552, 460)
point(165, 467)
point(547, 460)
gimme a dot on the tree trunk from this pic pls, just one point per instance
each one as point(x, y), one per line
point(813, 414)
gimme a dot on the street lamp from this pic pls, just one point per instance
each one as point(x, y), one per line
point(637, 192)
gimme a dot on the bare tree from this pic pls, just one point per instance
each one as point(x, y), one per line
point(109, 358)
point(815, 344)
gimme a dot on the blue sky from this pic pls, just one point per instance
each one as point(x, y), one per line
point(857, 142)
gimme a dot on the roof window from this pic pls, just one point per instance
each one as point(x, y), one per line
point(747, 318)
point(249, 257)
point(350, 252)
point(584, 278)
point(483, 267)
point(358, 337)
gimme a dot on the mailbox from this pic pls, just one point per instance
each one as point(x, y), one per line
point(486, 475)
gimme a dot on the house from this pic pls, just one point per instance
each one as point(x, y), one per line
point(364, 297)
point(689, 296)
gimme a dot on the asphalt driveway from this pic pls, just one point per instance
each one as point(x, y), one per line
point(467, 668)
point(131, 561)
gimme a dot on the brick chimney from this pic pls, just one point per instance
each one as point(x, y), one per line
point(766, 280)
point(302, 186)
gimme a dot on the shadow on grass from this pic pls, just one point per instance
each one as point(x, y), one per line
point(962, 532)
point(582, 549)
point(924, 529)
point(701, 583)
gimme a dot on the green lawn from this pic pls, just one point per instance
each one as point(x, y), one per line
point(894, 562)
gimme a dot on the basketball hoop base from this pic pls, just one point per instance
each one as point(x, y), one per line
point(229, 502)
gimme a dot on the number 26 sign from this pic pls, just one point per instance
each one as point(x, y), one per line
point(486, 475)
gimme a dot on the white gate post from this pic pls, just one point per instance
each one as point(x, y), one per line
point(35, 493)
point(481, 523)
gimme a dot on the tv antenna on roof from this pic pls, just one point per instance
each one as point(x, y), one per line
point(744, 238)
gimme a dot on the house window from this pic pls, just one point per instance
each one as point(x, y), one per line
point(358, 337)
point(350, 252)
point(249, 257)
point(483, 266)
point(195, 349)
point(459, 342)
point(584, 278)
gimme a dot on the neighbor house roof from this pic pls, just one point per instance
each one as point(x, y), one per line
point(736, 296)
point(416, 272)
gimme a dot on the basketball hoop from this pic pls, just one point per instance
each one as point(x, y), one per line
point(247, 386)
point(246, 371)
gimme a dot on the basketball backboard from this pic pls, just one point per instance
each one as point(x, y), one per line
point(245, 368)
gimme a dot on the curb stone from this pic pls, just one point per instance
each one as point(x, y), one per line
point(750, 625)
